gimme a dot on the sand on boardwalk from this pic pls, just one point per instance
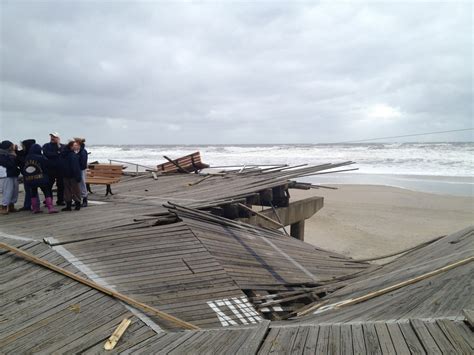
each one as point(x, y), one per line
point(364, 221)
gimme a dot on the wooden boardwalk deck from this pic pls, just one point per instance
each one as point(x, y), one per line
point(255, 257)
point(44, 312)
point(212, 272)
point(414, 336)
point(194, 270)
point(163, 266)
point(141, 198)
point(443, 295)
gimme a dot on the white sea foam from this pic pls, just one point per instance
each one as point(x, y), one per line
point(436, 159)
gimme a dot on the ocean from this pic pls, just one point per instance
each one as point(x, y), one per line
point(446, 168)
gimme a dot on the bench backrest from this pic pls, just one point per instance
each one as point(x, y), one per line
point(105, 170)
point(189, 162)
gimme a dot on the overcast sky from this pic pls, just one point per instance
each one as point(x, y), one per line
point(156, 72)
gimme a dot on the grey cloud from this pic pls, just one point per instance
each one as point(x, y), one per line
point(233, 73)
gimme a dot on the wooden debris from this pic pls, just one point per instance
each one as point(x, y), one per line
point(175, 163)
point(261, 215)
point(76, 308)
point(187, 164)
point(386, 289)
point(469, 314)
point(117, 334)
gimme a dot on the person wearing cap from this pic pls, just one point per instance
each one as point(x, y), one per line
point(83, 163)
point(52, 151)
point(21, 154)
point(8, 160)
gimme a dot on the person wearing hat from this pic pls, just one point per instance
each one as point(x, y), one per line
point(52, 151)
point(8, 160)
point(21, 155)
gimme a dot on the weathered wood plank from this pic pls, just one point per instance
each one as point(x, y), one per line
point(411, 338)
point(425, 337)
point(385, 340)
point(358, 340)
point(398, 339)
point(371, 339)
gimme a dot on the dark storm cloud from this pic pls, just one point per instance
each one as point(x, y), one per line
point(154, 72)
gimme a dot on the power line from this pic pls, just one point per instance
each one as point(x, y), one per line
point(406, 135)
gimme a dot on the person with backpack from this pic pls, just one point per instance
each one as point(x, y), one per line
point(35, 177)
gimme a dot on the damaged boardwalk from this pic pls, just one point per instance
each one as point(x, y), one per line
point(183, 244)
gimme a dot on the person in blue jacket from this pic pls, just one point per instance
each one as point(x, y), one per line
point(35, 176)
point(83, 162)
point(72, 176)
point(52, 151)
point(8, 160)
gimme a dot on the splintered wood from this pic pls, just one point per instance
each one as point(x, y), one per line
point(117, 334)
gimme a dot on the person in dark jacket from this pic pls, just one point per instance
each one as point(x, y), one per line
point(35, 176)
point(8, 160)
point(83, 162)
point(52, 151)
point(72, 176)
point(26, 145)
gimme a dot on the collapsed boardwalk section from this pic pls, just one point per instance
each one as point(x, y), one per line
point(163, 266)
point(443, 295)
point(43, 311)
point(201, 271)
point(193, 260)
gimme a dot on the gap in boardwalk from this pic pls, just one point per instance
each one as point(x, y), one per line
point(282, 302)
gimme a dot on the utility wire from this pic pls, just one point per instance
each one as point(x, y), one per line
point(406, 135)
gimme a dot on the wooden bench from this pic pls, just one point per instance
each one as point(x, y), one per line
point(103, 174)
point(187, 164)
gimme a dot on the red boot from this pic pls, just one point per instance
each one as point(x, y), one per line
point(35, 205)
point(49, 205)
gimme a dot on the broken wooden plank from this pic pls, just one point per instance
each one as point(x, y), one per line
point(117, 334)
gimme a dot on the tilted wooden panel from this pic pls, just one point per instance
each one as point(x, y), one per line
point(253, 257)
point(442, 295)
point(166, 267)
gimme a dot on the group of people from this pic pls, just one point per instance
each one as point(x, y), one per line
point(41, 168)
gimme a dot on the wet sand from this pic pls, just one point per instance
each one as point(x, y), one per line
point(364, 221)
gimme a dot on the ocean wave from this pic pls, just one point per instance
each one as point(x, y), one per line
point(448, 159)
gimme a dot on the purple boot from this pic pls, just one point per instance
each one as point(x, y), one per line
point(35, 205)
point(49, 205)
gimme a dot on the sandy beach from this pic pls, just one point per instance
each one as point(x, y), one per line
point(364, 221)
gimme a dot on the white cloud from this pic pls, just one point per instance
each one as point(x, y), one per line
point(383, 112)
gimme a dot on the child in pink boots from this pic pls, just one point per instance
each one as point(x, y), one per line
point(35, 176)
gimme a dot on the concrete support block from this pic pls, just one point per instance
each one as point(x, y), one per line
point(297, 230)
